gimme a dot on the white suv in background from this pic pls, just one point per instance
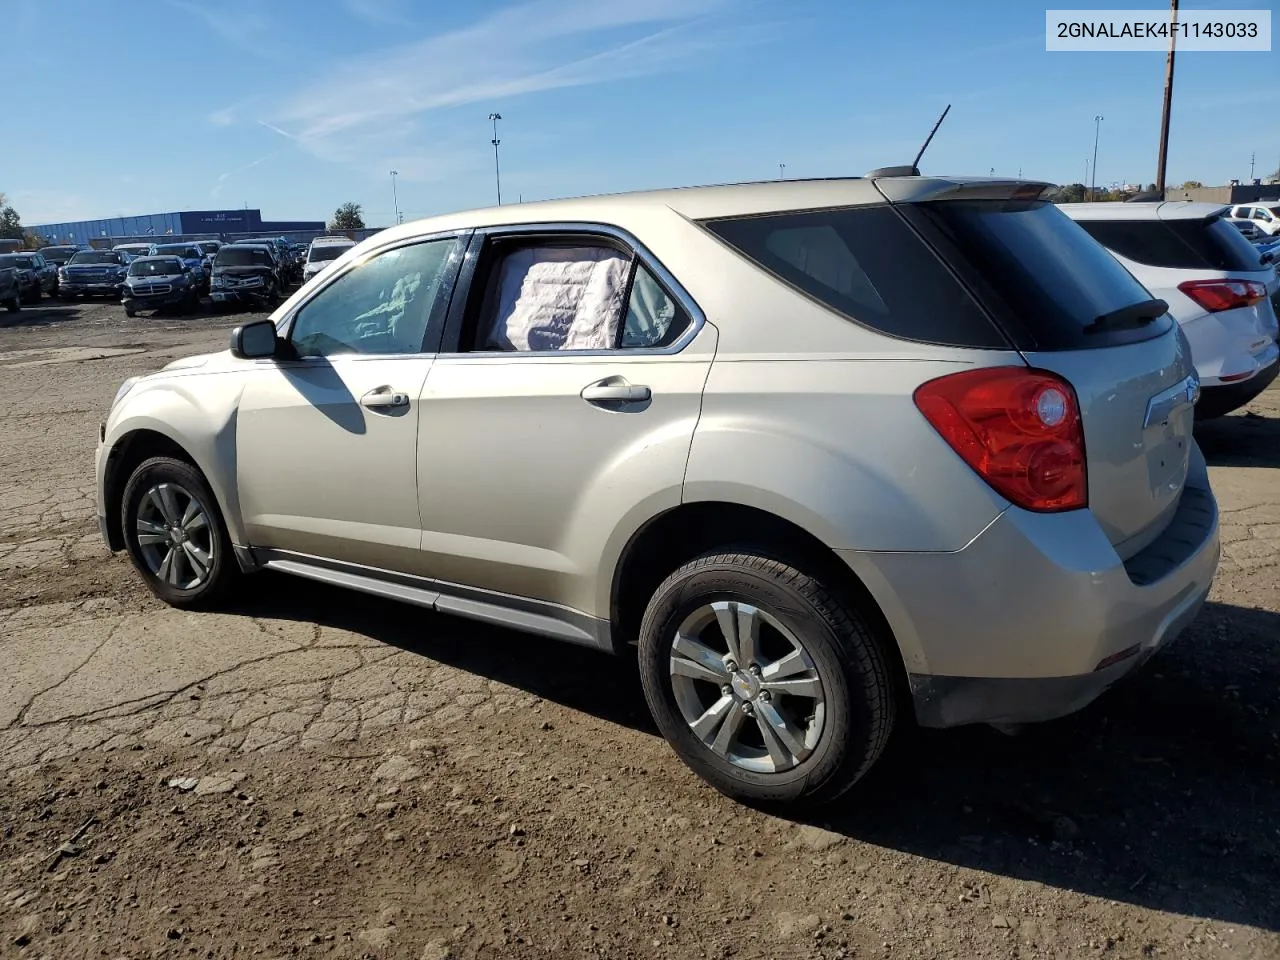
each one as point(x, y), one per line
point(1216, 286)
point(1264, 217)
point(322, 252)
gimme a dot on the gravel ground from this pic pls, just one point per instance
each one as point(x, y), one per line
point(316, 773)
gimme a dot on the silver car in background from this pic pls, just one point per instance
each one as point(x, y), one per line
point(822, 452)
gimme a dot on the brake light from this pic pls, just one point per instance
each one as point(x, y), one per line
point(1226, 294)
point(1018, 428)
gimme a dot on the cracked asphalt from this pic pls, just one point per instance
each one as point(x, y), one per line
point(359, 778)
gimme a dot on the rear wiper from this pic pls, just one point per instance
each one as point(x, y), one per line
point(1127, 318)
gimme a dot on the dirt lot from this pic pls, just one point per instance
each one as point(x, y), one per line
point(320, 774)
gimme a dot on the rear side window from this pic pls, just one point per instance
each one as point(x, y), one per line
point(867, 264)
point(1042, 276)
point(1211, 244)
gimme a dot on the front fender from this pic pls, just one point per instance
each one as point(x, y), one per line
point(200, 421)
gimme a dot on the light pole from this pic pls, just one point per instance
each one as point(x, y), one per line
point(1097, 128)
point(782, 171)
point(394, 198)
point(497, 175)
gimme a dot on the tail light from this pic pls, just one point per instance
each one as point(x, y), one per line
point(1018, 428)
point(1226, 294)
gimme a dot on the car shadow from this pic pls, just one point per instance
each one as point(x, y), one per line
point(1240, 440)
point(1162, 794)
point(42, 314)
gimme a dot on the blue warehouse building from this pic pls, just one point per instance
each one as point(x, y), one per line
point(184, 223)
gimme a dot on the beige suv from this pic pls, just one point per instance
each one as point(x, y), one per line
point(819, 451)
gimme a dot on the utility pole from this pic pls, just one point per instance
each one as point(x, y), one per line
point(1093, 182)
point(1163, 161)
point(782, 171)
point(497, 176)
point(394, 196)
point(1252, 157)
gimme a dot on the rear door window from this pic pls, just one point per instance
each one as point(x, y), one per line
point(1044, 279)
point(868, 265)
point(1211, 244)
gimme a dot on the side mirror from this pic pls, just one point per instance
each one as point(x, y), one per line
point(254, 341)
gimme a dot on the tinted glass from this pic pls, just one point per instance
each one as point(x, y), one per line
point(12, 261)
point(1212, 244)
point(242, 257)
point(96, 256)
point(382, 306)
point(155, 268)
point(867, 264)
point(654, 319)
point(1042, 275)
point(328, 251)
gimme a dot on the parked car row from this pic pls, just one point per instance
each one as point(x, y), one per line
point(1215, 284)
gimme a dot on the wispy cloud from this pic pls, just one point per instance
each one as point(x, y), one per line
point(223, 117)
point(224, 177)
point(378, 12)
point(246, 28)
point(370, 107)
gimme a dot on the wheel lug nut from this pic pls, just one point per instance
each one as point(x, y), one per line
point(731, 666)
point(755, 670)
point(746, 708)
point(726, 690)
point(766, 696)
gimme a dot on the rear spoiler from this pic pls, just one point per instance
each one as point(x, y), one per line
point(927, 189)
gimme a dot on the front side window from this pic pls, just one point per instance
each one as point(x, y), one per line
point(380, 307)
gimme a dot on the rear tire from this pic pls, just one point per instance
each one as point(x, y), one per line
point(806, 636)
point(14, 303)
point(175, 534)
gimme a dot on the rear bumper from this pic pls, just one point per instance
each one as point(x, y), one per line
point(1038, 615)
point(1219, 400)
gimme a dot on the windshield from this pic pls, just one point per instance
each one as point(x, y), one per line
point(135, 251)
point(177, 250)
point(329, 251)
point(95, 256)
point(242, 257)
point(155, 268)
point(9, 260)
point(58, 253)
point(208, 247)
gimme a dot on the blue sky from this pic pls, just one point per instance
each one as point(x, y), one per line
point(295, 107)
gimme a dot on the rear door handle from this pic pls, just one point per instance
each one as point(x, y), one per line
point(384, 398)
point(617, 391)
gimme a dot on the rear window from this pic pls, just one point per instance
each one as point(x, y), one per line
point(1212, 244)
point(867, 264)
point(328, 251)
point(1045, 281)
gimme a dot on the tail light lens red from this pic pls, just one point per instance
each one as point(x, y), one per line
point(1017, 427)
point(1226, 294)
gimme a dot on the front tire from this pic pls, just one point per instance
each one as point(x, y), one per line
point(14, 304)
point(175, 534)
point(767, 686)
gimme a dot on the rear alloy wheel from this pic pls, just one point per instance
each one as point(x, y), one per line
point(767, 686)
point(175, 535)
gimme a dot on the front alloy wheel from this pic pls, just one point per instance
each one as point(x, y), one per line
point(174, 536)
point(174, 533)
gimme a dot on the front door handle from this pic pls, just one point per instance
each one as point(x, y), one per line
point(384, 398)
point(616, 390)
